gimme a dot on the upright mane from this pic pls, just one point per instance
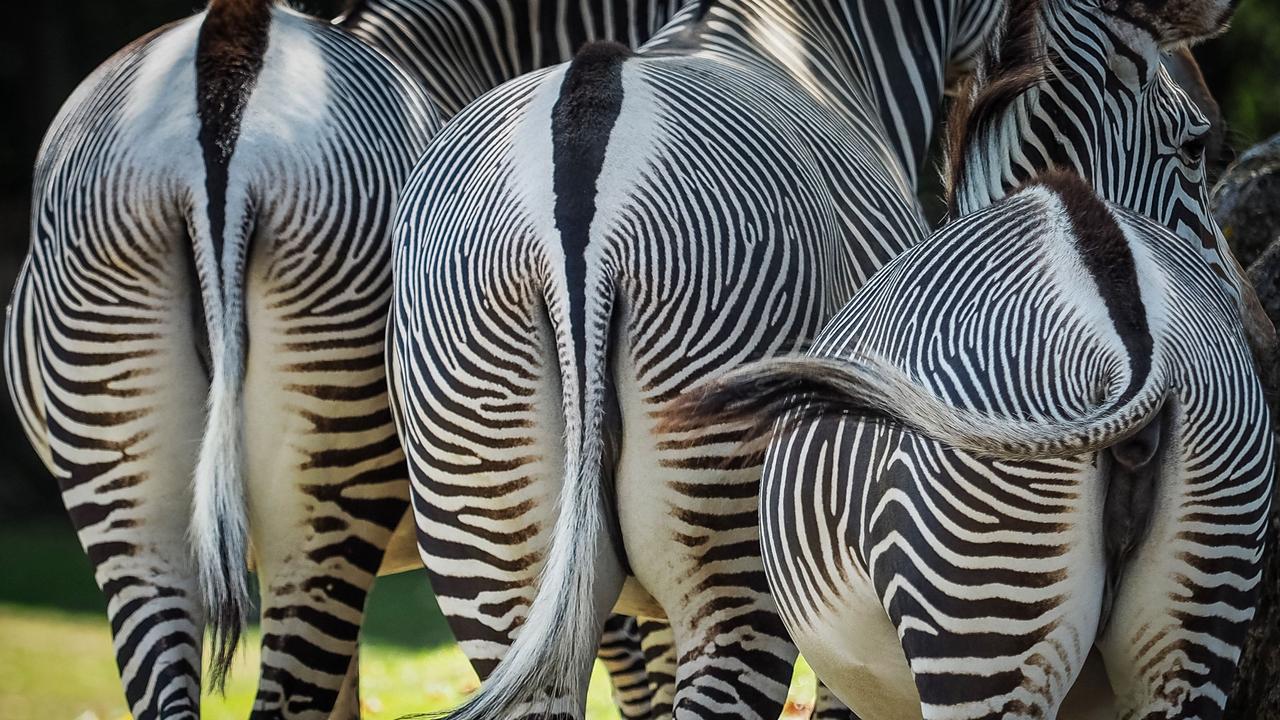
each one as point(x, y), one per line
point(1013, 61)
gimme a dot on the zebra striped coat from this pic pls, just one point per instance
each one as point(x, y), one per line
point(210, 223)
point(1039, 434)
point(582, 243)
point(459, 49)
point(280, 144)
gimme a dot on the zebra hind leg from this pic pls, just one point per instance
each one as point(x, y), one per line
point(327, 487)
point(130, 399)
point(623, 657)
point(660, 665)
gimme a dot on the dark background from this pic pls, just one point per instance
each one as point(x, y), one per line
point(50, 45)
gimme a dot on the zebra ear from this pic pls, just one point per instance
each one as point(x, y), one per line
point(1174, 22)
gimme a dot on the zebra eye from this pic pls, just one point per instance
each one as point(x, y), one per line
point(1193, 148)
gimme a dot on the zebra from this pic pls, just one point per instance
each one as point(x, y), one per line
point(579, 245)
point(459, 49)
point(1038, 439)
point(195, 344)
point(106, 192)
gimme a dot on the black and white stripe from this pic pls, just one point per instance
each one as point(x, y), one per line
point(581, 244)
point(311, 254)
point(195, 344)
point(459, 49)
point(1037, 436)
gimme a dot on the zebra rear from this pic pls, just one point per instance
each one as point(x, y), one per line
point(208, 234)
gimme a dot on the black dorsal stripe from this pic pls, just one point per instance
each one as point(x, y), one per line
point(1109, 259)
point(581, 121)
point(229, 56)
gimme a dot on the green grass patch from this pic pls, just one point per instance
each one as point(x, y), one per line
point(57, 661)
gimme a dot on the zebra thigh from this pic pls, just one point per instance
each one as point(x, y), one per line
point(483, 430)
point(919, 581)
point(734, 657)
point(1185, 596)
point(326, 478)
point(107, 378)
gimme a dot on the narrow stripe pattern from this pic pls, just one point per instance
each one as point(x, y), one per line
point(716, 197)
point(459, 49)
point(1037, 440)
point(215, 202)
point(1000, 575)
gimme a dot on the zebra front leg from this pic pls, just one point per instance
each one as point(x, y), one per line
point(660, 665)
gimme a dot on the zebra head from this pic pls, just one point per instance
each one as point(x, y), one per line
point(1079, 85)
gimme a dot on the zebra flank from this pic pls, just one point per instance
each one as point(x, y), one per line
point(802, 389)
point(230, 50)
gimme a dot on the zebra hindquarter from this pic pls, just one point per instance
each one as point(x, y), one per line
point(917, 581)
point(103, 358)
point(326, 482)
point(478, 395)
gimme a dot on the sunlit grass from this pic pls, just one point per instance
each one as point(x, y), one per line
point(59, 665)
point(57, 662)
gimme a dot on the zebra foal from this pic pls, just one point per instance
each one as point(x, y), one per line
point(1039, 438)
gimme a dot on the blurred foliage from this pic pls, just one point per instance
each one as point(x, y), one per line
point(1242, 67)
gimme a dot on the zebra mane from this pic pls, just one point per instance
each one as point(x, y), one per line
point(1012, 62)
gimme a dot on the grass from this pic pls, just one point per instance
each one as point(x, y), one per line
point(57, 660)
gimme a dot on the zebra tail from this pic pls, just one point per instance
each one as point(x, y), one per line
point(777, 394)
point(219, 524)
point(544, 673)
point(229, 56)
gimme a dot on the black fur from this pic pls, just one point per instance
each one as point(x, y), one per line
point(1107, 255)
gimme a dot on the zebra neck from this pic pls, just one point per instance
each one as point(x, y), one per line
point(994, 161)
point(889, 58)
